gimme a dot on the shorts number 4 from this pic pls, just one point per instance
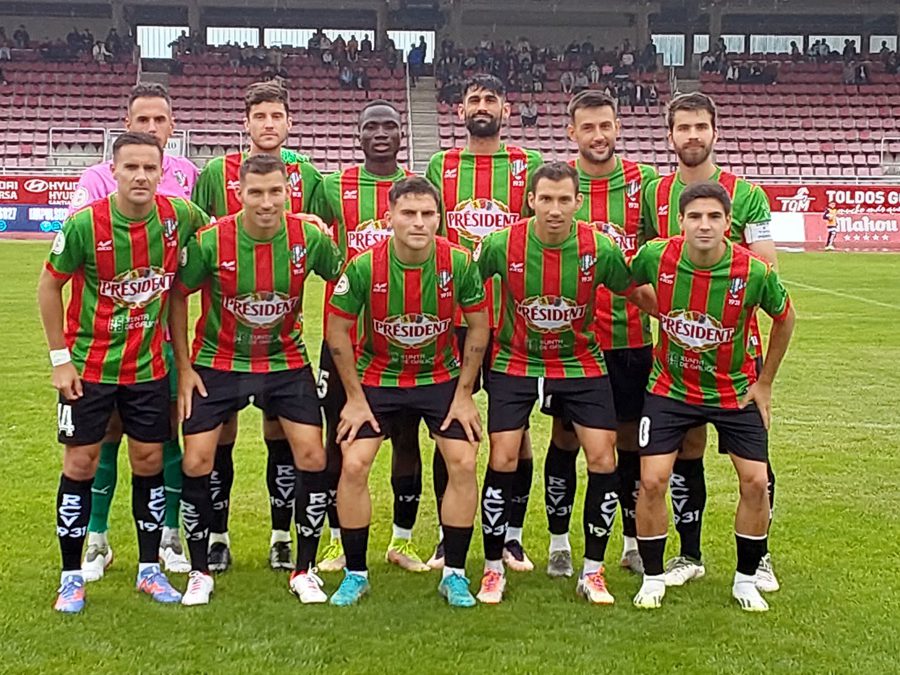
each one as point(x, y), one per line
point(64, 419)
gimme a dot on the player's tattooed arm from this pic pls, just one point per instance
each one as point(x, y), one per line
point(50, 303)
point(356, 411)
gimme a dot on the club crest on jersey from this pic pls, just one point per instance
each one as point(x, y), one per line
point(233, 185)
point(180, 178)
point(298, 256)
point(170, 227)
point(550, 313)
point(412, 331)
point(695, 331)
point(586, 263)
point(137, 288)
point(474, 219)
point(367, 234)
point(262, 309)
point(738, 284)
point(633, 190)
point(517, 169)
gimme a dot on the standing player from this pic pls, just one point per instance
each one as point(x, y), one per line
point(611, 188)
point(149, 111)
point(252, 268)
point(483, 189)
point(691, 120)
point(545, 349)
point(408, 290)
point(707, 291)
point(830, 218)
point(268, 122)
point(122, 255)
point(358, 198)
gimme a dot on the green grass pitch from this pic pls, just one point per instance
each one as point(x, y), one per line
point(836, 450)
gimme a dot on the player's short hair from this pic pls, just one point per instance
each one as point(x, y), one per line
point(705, 190)
point(149, 90)
point(413, 185)
point(135, 138)
point(377, 103)
point(266, 92)
point(591, 98)
point(486, 82)
point(690, 102)
point(555, 171)
point(262, 165)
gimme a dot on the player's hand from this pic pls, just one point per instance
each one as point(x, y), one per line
point(67, 382)
point(189, 380)
point(318, 222)
point(355, 414)
point(464, 411)
point(761, 394)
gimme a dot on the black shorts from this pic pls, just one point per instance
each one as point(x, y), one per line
point(145, 410)
point(665, 422)
point(480, 379)
point(290, 394)
point(330, 389)
point(586, 401)
point(394, 407)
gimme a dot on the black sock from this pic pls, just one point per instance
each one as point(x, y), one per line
point(148, 505)
point(356, 542)
point(629, 470)
point(560, 480)
point(73, 512)
point(652, 550)
point(521, 490)
point(407, 491)
point(334, 523)
point(495, 500)
point(197, 516)
point(749, 553)
point(770, 487)
point(280, 480)
point(310, 504)
point(456, 545)
point(600, 505)
point(220, 482)
point(688, 488)
point(441, 478)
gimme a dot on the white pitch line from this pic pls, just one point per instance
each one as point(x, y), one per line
point(841, 295)
point(871, 426)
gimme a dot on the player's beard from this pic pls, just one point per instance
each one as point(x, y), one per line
point(269, 144)
point(598, 156)
point(694, 155)
point(481, 128)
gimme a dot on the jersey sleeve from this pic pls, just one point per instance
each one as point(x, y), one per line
point(331, 194)
point(348, 298)
point(487, 254)
point(470, 292)
point(775, 300)
point(314, 183)
point(645, 264)
point(615, 273)
point(67, 254)
point(648, 229)
point(326, 259)
point(433, 173)
point(194, 218)
point(206, 187)
point(535, 160)
point(757, 221)
point(194, 268)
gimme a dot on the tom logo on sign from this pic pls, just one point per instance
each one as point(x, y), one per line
point(550, 313)
point(474, 219)
point(262, 309)
point(797, 203)
point(137, 288)
point(412, 331)
point(367, 234)
point(695, 331)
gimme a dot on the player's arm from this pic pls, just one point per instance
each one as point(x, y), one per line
point(648, 228)
point(204, 192)
point(758, 228)
point(777, 304)
point(66, 256)
point(344, 309)
point(474, 306)
point(327, 260)
point(191, 274)
point(643, 294)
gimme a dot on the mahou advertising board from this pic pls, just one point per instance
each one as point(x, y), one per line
point(868, 216)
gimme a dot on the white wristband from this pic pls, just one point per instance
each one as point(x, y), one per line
point(60, 357)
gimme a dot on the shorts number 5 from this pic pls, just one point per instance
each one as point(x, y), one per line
point(322, 384)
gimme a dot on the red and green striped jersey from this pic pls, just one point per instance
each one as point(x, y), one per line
point(358, 201)
point(612, 204)
point(548, 293)
point(481, 194)
point(216, 190)
point(704, 315)
point(121, 271)
point(408, 312)
point(252, 292)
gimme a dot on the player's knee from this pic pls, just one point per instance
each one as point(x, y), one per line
point(310, 458)
point(146, 462)
point(78, 464)
point(755, 487)
point(462, 467)
point(654, 484)
point(355, 468)
point(601, 462)
point(196, 463)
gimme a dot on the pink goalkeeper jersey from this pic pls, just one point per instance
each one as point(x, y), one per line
point(97, 182)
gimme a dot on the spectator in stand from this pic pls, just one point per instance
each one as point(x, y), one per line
point(100, 53)
point(365, 47)
point(849, 73)
point(587, 47)
point(21, 38)
point(796, 54)
point(732, 74)
point(581, 82)
point(649, 57)
point(813, 50)
point(884, 52)
point(652, 95)
point(352, 48)
point(327, 57)
point(891, 65)
point(423, 47)
point(234, 56)
point(862, 73)
point(640, 95)
point(416, 61)
point(346, 78)
point(708, 63)
point(849, 53)
point(627, 59)
point(529, 112)
point(362, 80)
point(3, 81)
point(315, 40)
point(73, 41)
point(5, 44)
point(567, 82)
point(594, 72)
point(114, 42)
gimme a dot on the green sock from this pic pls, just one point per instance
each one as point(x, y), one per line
point(104, 486)
point(172, 479)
